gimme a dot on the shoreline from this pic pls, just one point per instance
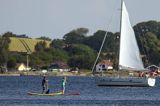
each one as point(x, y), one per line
point(81, 73)
point(46, 74)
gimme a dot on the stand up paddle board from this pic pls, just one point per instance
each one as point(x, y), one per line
point(52, 94)
point(72, 93)
point(41, 94)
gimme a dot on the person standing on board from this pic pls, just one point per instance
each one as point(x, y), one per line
point(45, 88)
point(43, 84)
point(63, 84)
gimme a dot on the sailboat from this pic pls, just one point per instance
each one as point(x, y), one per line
point(129, 57)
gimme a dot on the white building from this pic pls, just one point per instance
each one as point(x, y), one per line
point(22, 67)
point(104, 65)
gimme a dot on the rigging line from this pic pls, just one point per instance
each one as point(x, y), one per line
point(103, 41)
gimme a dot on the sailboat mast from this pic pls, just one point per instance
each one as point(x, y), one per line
point(120, 30)
point(121, 15)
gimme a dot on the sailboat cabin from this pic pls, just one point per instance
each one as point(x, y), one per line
point(104, 65)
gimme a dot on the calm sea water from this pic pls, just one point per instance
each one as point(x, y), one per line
point(13, 92)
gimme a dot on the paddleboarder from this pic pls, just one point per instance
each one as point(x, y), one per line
point(64, 81)
point(43, 84)
point(45, 88)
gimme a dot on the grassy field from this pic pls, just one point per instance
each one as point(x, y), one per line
point(24, 44)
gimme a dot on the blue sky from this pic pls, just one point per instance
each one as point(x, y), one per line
point(54, 18)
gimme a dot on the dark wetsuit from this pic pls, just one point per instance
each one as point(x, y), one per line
point(43, 84)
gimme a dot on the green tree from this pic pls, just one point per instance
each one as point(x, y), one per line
point(81, 56)
point(152, 47)
point(40, 46)
point(4, 53)
point(35, 61)
point(45, 38)
point(60, 55)
point(58, 44)
point(11, 62)
point(48, 56)
point(81, 31)
point(95, 41)
point(75, 36)
point(150, 26)
point(9, 34)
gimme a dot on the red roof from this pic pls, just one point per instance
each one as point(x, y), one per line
point(108, 62)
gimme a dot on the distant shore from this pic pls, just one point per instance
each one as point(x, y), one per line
point(80, 73)
point(38, 73)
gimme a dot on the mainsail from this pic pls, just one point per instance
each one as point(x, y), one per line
point(129, 56)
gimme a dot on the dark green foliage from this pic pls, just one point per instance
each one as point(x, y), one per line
point(9, 34)
point(148, 37)
point(45, 38)
point(48, 56)
point(95, 41)
point(3, 57)
point(20, 58)
point(60, 55)
point(11, 62)
point(35, 61)
point(150, 26)
point(4, 44)
point(75, 36)
point(81, 31)
point(152, 48)
point(58, 43)
point(40, 46)
point(81, 56)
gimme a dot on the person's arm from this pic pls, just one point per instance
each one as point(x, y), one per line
point(65, 79)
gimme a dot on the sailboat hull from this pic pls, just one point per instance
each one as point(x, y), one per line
point(125, 81)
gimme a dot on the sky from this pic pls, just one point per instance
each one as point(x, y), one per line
point(55, 18)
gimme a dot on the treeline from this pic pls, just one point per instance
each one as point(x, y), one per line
point(78, 49)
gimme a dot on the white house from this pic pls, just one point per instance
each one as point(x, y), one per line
point(22, 67)
point(104, 65)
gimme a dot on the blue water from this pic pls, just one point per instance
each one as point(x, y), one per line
point(13, 92)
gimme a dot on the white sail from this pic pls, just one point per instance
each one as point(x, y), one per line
point(129, 52)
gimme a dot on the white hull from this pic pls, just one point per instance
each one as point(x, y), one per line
point(125, 81)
